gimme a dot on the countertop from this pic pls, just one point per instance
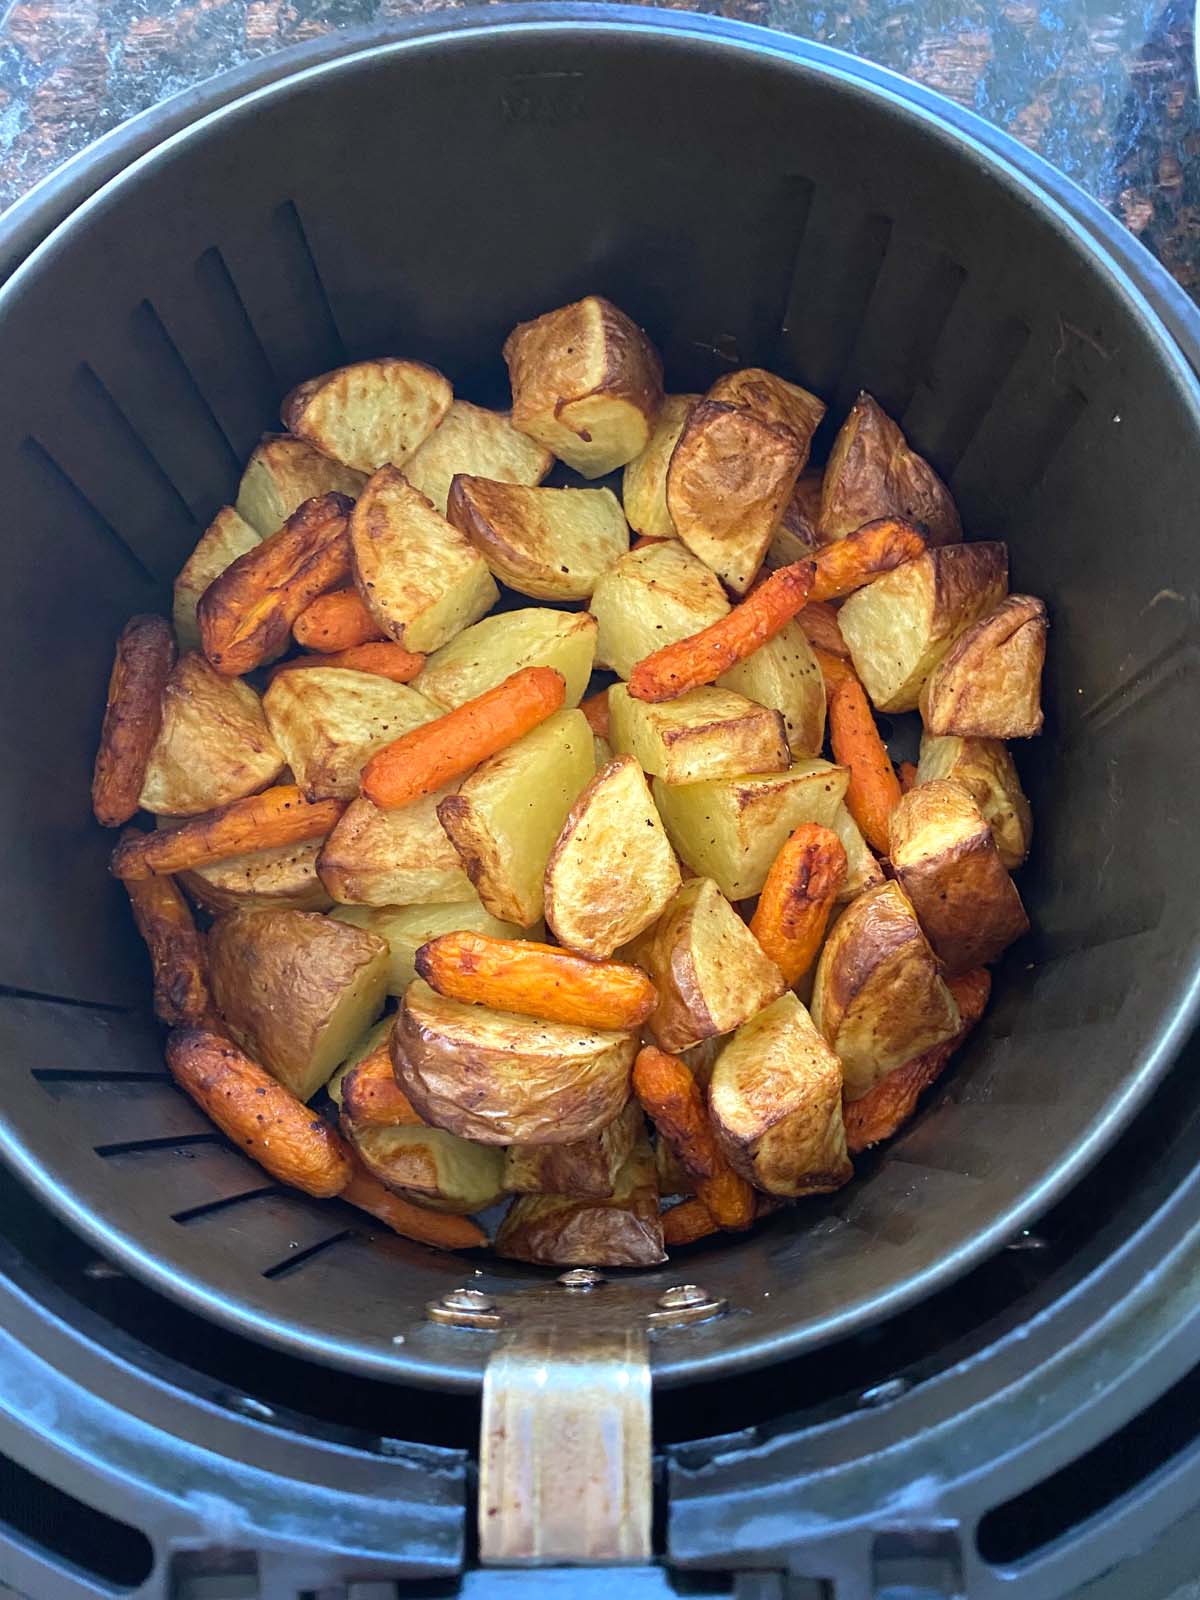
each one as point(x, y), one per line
point(1105, 89)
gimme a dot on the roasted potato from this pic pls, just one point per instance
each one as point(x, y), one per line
point(795, 537)
point(776, 1104)
point(503, 1079)
point(878, 996)
point(421, 579)
point(552, 544)
point(482, 443)
point(506, 816)
point(588, 1168)
point(652, 597)
point(862, 869)
point(771, 399)
point(731, 829)
point(901, 625)
point(872, 473)
point(487, 653)
point(611, 870)
point(432, 1167)
point(393, 858)
point(783, 674)
point(329, 722)
point(986, 770)
point(563, 1230)
point(586, 383)
point(283, 878)
point(706, 733)
point(296, 989)
point(214, 744)
point(709, 970)
point(988, 684)
point(946, 861)
point(371, 414)
point(644, 486)
point(225, 539)
point(281, 475)
point(407, 928)
point(372, 1042)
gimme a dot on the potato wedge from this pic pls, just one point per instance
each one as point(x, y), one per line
point(776, 1104)
point(432, 1167)
point(283, 878)
point(706, 733)
point(783, 674)
point(490, 651)
point(946, 861)
point(329, 722)
point(652, 597)
point(878, 997)
point(393, 858)
point(730, 478)
point(503, 1079)
point(564, 1230)
point(214, 744)
point(795, 537)
point(987, 771)
point(225, 539)
point(284, 472)
point(552, 544)
point(421, 579)
point(144, 659)
point(873, 472)
point(505, 818)
point(988, 685)
point(900, 626)
point(370, 414)
point(482, 443)
point(611, 870)
point(708, 968)
point(862, 869)
point(588, 1168)
point(731, 829)
point(644, 486)
point(586, 383)
point(407, 928)
point(771, 399)
point(296, 989)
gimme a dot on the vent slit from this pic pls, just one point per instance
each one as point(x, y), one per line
point(301, 1258)
point(291, 222)
point(972, 409)
point(209, 1207)
point(132, 1147)
point(49, 1075)
point(930, 317)
point(217, 280)
point(123, 425)
point(37, 452)
point(11, 992)
point(175, 360)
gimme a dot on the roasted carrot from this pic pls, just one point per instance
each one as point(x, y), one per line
point(595, 709)
point(644, 540)
point(384, 659)
point(834, 669)
point(702, 658)
point(143, 660)
point(671, 1098)
point(686, 1222)
point(847, 564)
point(261, 821)
point(371, 1097)
point(438, 1228)
point(164, 920)
point(820, 623)
point(793, 909)
point(537, 980)
point(908, 776)
point(874, 789)
point(335, 622)
point(428, 757)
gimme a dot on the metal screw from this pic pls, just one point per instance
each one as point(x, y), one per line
point(582, 1278)
point(468, 1300)
point(883, 1393)
point(250, 1407)
point(681, 1296)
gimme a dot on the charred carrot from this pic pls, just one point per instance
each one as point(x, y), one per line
point(381, 657)
point(874, 789)
point(335, 622)
point(143, 660)
point(908, 776)
point(438, 1228)
point(371, 1097)
point(671, 1098)
point(876, 548)
point(793, 909)
point(260, 822)
point(164, 920)
point(686, 1222)
point(595, 709)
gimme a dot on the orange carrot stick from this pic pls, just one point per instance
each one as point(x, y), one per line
point(688, 1221)
point(820, 623)
point(177, 958)
point(335, 622)
point(908, 776)
point(793, 908)
point(428, 757)
point(371, 1097)
point(144, 657)
point(380, 656)
point(874, 789)
point(671, 1098)
point(438, 1228)
point(595, 709)
point(702, 658)
point(275, 817)
point(876, 548)
point(834, 669)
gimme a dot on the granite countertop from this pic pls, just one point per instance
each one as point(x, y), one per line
point(1106, 89)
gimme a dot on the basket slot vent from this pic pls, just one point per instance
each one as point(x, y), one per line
point(208, 1208)
point(125, 1109)
point(135, 1147)
point(1025, 430)
point(56, 479)
point(188, 1182)
point(8, 992)
point(1147, 682)
point(969, 367)
point(301, 1258)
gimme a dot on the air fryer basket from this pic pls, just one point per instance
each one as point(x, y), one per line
point(746, 207)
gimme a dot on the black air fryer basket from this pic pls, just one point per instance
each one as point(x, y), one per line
point(749, 200)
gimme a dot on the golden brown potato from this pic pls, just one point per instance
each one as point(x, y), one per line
point(783, 674)
point(370, 414)
point(296, 990)
point(611, 870)
point(482, 443)
point(281, 475)
point(432, 1167)
point(329, 722)
point(644, 487)
point(730, 478)
point(731, 829)
point(862, 869)
point(872, 473)
point(900, 626)
point(652, 597)
point(586, 383)
point(986, 770)
point(988, 685)
point(225, 539)
point(706, 733)
point(283, 878)
point(506, 816)
point(503, 1079)
point(878, 996)
point(795, 537)
point(771, 399)
point(420, 578)
point(552, 544)
point(214, 744)
point(776, 1104)
point(407, 928)
point(588, 1168)
point(484, 655)
point(392, 858)
point(565, 1231)
point(709, 969)
point(946, 861)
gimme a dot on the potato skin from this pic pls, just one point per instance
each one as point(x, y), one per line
point(551, 544)
point(644, 487)
point(330, 721)
point(873, 472)
point(564, 1230)
point(987, 771)
point(392, 858)
point(431, 1167)
point(712, 732)
point(284, 878)
point(988, 684)
point(144, 657)
point(771, 399)
point(589, 1168)
point(370, 413)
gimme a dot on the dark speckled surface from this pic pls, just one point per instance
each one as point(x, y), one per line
point(1106, 89)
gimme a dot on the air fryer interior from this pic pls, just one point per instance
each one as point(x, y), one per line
point(746, 208)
